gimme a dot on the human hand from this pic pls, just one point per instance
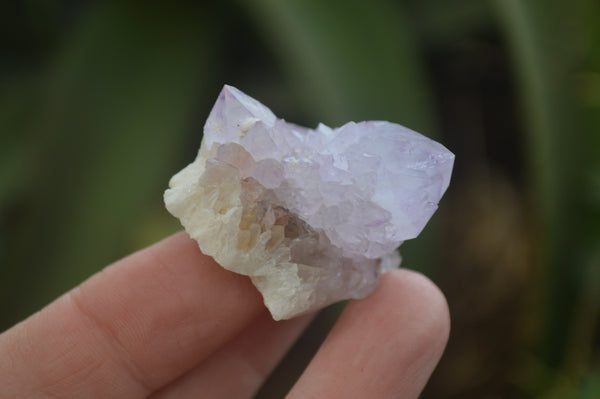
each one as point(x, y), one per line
point(167, 322)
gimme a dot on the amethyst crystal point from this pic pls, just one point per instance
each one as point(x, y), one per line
point(312, 216)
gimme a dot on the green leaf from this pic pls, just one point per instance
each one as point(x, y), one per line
point(115, 113)
point(550, 49)
point(356, 65)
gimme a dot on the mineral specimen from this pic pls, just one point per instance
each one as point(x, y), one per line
point(312, 216)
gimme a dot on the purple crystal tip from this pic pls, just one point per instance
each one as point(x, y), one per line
point(368, 186)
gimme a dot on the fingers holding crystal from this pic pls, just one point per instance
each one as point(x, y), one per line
point(240, 367)
point(384, 346)
point(132, 328)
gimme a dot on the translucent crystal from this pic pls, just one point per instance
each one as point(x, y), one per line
point(312, 216)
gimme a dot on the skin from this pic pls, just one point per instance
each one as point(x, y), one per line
point(168, 322)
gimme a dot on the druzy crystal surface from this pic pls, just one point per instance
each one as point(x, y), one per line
point(311, 216)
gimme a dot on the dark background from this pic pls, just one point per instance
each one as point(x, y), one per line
point(101, 102)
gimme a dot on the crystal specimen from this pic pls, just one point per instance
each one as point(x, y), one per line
point(312, 216)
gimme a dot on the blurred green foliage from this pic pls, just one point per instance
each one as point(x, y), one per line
point(100, 102)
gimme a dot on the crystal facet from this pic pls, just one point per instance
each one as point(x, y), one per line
point(312, 216)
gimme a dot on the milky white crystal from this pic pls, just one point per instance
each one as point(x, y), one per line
point(312, 216)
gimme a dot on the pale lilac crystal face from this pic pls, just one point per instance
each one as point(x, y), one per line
point(366, 186)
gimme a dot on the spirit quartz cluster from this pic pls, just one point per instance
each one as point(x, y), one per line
point(311, 216)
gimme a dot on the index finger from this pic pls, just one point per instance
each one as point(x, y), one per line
point(131, 328)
